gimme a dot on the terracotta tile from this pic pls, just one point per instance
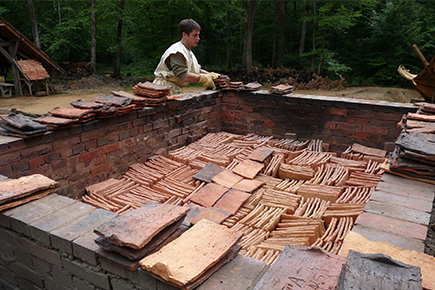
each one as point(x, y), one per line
point(137, 227)
point(185, 259)
point(209, 194)
point(208, 172)
point(211, 214)
point(248, 168)
point(232, 200)
point(248, 185)
point(227, 178)
point(260, 154)
point(359, 243)
point(303, 268)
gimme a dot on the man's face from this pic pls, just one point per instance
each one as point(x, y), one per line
point(192, 39)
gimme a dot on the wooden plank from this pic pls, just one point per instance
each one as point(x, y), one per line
point(137, 227)
point(303, 268)
point(184, 260)
point(379, 272)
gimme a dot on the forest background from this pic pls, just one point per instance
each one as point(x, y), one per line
point(362, 41)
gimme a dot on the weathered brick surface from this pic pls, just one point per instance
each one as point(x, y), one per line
point(83, 271)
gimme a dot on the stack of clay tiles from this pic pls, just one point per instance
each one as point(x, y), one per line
point(19, 125)
point(153, 94)
point(128, 238)
point(282, 89)
point(274, 191)
point(414, 155)
point(14, 192)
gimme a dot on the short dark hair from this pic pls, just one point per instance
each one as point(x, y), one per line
point(187, 25)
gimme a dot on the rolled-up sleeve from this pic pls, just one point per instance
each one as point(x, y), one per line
point(177, 64)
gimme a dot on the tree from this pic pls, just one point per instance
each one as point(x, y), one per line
point(249, 6)
point(281, 30)
point(117, 71)
point(93, 38)
point(304, 28)
point(34, 23)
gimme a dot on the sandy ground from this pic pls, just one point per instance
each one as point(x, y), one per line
point(42, 104)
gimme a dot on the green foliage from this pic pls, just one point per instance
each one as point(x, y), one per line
point(363, 41)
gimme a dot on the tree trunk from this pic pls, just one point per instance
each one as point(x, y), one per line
point(250, 12)
point(304, 30)
point(59, 15)
point(281, 25)
point(313, 57)
point(93, 38)
point(229, 37)
point(34, 24)
point(117, 71)
point(322, 51)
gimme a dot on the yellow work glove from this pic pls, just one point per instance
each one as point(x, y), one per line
point(214, 75)
point(207, 81)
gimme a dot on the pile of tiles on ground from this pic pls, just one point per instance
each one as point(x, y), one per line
point(274, 191)
point(414, 155)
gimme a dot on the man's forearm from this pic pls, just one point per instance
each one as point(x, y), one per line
point(191, 78)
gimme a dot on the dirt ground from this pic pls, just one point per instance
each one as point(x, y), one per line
point(42, 104)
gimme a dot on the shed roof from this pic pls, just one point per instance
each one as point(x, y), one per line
point(25, 48)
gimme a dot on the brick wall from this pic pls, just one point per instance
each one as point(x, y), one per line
point(91, 152)
point(337, 121)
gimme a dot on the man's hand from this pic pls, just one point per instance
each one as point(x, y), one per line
point(207, 81)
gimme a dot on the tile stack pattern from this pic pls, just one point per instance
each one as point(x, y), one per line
point(319, 210)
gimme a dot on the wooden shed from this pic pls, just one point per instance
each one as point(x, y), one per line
point(28, 63)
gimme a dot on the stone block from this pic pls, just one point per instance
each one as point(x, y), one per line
point(398, 212)
point(391, 225)
point(24, 272)
point(241, 273)
point(84, 248)
point(83, 271)
point(81, 285)
point(52, 284)
point(374, 234)
point(32, 211)
point(49, 255)
point(116, 269)
point(400, 200)
point(143, 279)
point(61, 276)
point(62, 237)
point(40, 229)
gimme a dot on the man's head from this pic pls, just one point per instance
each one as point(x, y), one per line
point(189, 30)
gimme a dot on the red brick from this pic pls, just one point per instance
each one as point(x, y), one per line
point(89, 155)
point(269, 124)
point(392, 225)
point(58, 144)
point(100, 159)
point(362, 121)
point(241, 114)
point(215, 114)
point(109, 148)
point(349, 127)
point(91, 135)
point(36, 161)
point(330, 125)
point(9, 159)
point(337, 111)
point(230, 118)
point(230, 98)
point(387, 116)
point(100, 168)
point(375, 130)
point(360, 135)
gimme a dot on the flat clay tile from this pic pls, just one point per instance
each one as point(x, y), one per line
point(232, 200)
point(248, 168)
point(137, 227)
point(208, 172)
point(248, 185)
point(72, 113)
point(227, 178)
point(211, 214)
point(209, 194)
point(260, 154)
point(24, 186)
point(185, 259)
point(303, 268)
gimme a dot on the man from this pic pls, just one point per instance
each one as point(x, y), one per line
point(178, 66)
